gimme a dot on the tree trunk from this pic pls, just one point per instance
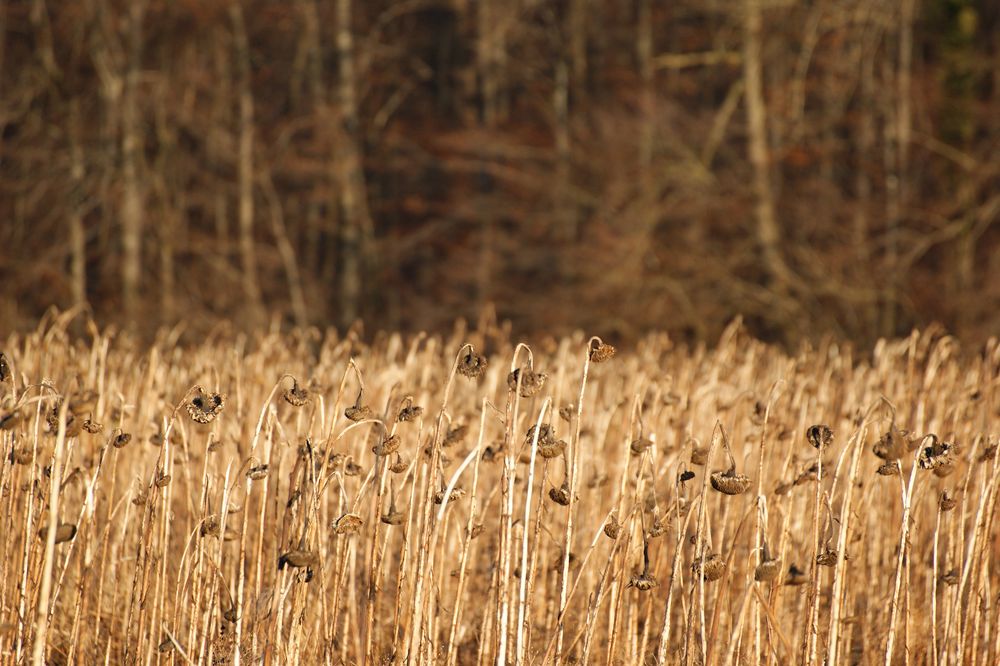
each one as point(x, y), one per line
point(768, 232)
point(565, 214)
point(899, 193)
point(244, 165)
point(132, 204)
point(578, 45)
point(357, 232)
point(487, 69)
point(77, 233)
point(862, 179)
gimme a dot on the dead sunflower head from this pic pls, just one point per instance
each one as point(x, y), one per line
point(729, 482)
point(298, 558)
point(639, 445)
point(441, 495)
point(612, 528)
point(297, 395)
point(710, 567)
point(548, 445)
point(472, 364)
point(888, 469)
point(409, 413)
point(204, 407)
point(642, 581)
point(600, 351)
point(560, 495)
point(64, 532)
point(767, 570)
point(531, 381)
point(819, 436)
point(894, 443)
point(349, 523)
point(939, 456)
point(359, 411)
point(389, 444)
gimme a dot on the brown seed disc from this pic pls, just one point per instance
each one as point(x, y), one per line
point(730, 483)
point(349, 523)
point(767, 571)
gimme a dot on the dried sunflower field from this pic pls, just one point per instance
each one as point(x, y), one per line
point(318, 499)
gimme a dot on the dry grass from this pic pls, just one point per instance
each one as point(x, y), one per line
point(308, 499)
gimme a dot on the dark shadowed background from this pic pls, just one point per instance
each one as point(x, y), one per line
point(619, 165)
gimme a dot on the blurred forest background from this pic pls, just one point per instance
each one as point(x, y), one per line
point(620, 165)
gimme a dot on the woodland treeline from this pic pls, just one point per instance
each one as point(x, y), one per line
point(621, 165)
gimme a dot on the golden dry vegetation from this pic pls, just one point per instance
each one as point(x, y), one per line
point(311, 498)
